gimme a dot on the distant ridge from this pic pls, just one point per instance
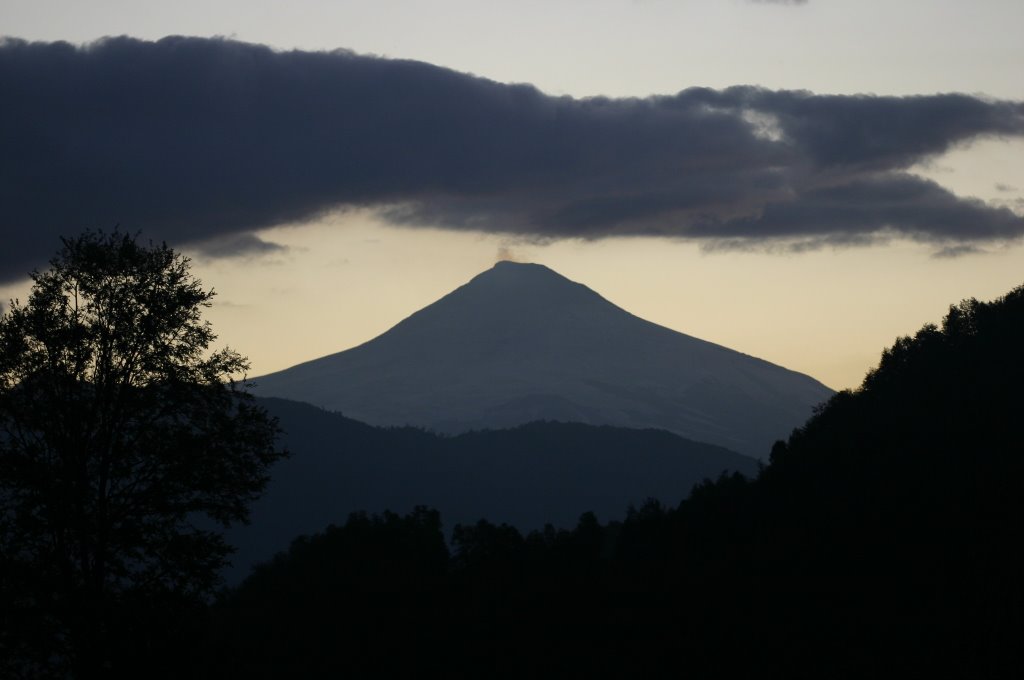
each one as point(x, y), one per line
point(521, 342)
point(527, 476)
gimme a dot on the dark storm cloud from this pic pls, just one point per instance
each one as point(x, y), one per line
point(891, 202)
point(203, 141)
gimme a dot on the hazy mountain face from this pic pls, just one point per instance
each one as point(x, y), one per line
point(520, 342)
point(527, 476)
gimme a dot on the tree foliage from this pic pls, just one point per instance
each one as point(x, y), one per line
point(124, 443)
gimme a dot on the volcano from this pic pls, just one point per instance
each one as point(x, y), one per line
point(521, 343)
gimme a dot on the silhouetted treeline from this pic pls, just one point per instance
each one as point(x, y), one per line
point(885, 538)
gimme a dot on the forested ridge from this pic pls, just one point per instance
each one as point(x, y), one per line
point(884, 537)
point(527, 476)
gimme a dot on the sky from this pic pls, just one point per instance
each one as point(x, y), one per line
point(799, 181)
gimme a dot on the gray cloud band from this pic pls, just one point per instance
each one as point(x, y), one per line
point(195, 140)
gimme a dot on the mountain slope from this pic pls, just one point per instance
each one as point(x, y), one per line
point(528, 476)
point(520, 342)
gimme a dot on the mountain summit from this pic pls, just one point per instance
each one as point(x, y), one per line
point(521, 342)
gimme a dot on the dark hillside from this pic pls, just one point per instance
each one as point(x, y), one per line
point(885, 539)
point(916, 482)
point(527, 476)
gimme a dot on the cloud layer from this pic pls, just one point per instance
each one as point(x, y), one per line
point(197, 139)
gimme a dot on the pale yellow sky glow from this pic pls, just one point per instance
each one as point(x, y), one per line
point(828, 313)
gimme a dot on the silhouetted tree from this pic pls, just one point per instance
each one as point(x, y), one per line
point(363, 599)
point(124, 444)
